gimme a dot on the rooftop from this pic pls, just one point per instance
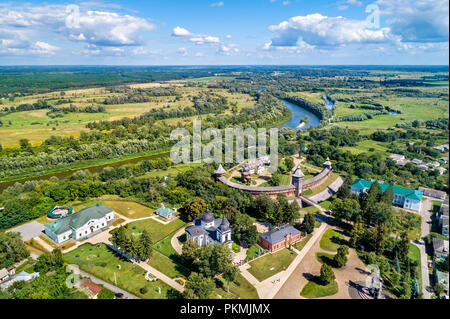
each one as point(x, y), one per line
point(279, 234)
point(79, 219)
point(95, 289)
point(164, 211)
point(408, 193)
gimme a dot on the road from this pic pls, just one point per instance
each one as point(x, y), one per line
point(113, 288)
point(425, 212)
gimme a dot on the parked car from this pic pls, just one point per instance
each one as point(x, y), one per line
point(118, 295)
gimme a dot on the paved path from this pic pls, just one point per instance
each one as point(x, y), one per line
point(329, 191)
point(175, 243)
point(161, 276)
point(425, 212)
point(43, 244)
point(269, 287)
point(107, 285)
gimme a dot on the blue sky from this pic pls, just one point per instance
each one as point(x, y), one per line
point(202, 32)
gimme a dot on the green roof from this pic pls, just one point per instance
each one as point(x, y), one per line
point(79, 219)
point(164, 211)
point(408, 193)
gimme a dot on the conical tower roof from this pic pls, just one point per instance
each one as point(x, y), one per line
point(220, 170)
point(298, 172)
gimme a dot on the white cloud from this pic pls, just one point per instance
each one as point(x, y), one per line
point(144, 51)
point(44, 47)
point(99, 28)
point(417, 20)
point(196, 38)
point(217, 4)
point(180, 32)
point(354, 2)
point(318, 30)
point(228, 50)
point(228, 36)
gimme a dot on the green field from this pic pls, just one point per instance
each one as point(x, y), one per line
point(156, 229)
point(412, 108)
point(36, 126)
point(102, 262)
point(129, 209)
point(271, 264)
point(167, 266)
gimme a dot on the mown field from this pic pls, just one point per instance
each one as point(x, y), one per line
point(36, 126)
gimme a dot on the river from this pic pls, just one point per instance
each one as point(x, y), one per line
point(92, 169)
point(299, 113)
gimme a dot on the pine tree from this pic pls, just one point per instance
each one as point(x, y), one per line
point(145, 245)
point(388, 196)
point(357, 232)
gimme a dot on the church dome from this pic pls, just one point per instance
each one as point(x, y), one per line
point(225, 225)
point(207, 217)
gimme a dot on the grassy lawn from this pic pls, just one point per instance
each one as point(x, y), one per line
point(414, 254)
point(165, 247)
point(156, 230)
point(309, 209)
point(326, 204)
point(252, 252)
point(300, 244)
point(313, 289)
point(271, 264)
point(366, 146)
point(323, 186)
point(331, 240)
point(242, 288)
point(102, 262)
point(167, 266)
point(129, 209)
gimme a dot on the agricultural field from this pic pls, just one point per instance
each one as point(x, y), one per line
point(37, 126)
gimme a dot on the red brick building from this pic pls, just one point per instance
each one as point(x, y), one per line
point(279, 238)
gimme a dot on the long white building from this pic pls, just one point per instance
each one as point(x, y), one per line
point(79, 225)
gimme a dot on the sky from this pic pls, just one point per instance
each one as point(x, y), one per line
point(228, 32)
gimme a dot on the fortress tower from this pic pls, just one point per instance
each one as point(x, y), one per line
point(297, 180)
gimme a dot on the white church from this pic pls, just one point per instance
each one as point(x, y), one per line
point(209, 230)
